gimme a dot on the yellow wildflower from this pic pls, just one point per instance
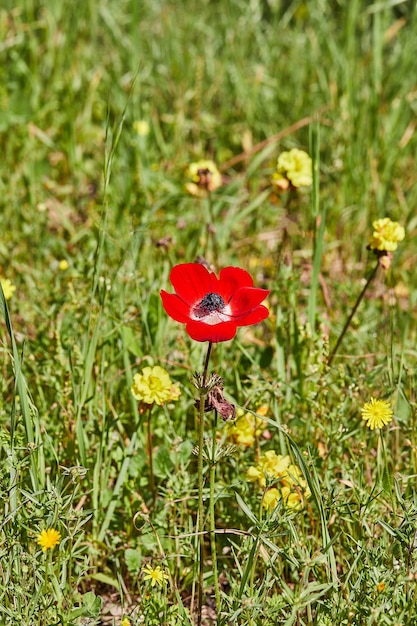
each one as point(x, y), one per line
point(156, 575)
point(141, 127)
point(271, 498)
point(293, 168)
point(8, 288)
point(253, 474)
point(386, 235)
point(248, 427)
point(377, 413)
point(63, 265)
point(380, 587)
point(290, 485)
point(48, 538)
point(271, 465)
point(204, 177)
point(294, 498)
point(125, 622)
point(154, 386)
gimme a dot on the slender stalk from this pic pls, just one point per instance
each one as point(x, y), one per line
point(200, 525)
point(150, 455)
point(213, 520)
point(352, 313)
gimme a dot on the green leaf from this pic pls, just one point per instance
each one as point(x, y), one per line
point(90, 606)
point(133, 560)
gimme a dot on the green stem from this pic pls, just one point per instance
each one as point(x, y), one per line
point(200, 527)
point(352, 313)
point(150, 456)
point(213, 521)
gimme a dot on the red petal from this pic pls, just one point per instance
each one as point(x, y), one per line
point(175, 307)
point(191, 281)
point(253, 317)
point(231, 279)
point(199, 331)
point(246, 299)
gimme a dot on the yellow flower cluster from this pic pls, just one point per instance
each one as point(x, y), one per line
point(386, 236)
point(247, 427)
point(8, 287)
point(377, 413)
point(289, 484)
point(294, 168)
point(154, 386)
point(204, 177)
point(48, 538)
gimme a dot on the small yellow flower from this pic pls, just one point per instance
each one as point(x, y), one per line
point(293, 167)
point(386, 235)
point(380, 587)
point(157, 575)
point(271, 498)
point(63, 265)
point(141, 127)
point(125, 622)
point(271, 465)
point(247, 428)
point(8, 288)
point(377, 413)
point(204, 176)
point(290, 486)
point(48, 538)
point(294, 498)
point(154, 386)
point(253, 474)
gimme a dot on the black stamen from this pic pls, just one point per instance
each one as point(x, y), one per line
point(210, 303)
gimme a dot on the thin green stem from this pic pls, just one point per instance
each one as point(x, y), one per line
point(200, 526)
point(213, 520)
point(352, 313)
point(150, 456)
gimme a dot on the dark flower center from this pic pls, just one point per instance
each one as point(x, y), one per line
point(209, 304)
point(204, 180)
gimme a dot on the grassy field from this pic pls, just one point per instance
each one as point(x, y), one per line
point(122, 509)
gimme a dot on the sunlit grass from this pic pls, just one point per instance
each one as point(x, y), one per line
point(103, 107)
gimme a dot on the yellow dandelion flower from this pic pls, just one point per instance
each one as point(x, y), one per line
point(63, 265)
point(48, 538)
point(8, 288)
point(156, 575)
point(377, 413)
point(125, 622)
point(386, 236)
point(294, 166)
point(204, 177)
point(154, 386)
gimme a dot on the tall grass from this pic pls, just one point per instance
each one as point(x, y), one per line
point(237, 82)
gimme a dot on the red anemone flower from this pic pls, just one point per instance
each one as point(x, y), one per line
point(211, 307)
